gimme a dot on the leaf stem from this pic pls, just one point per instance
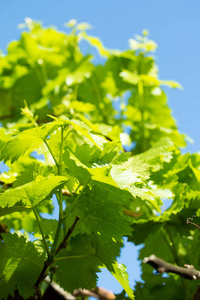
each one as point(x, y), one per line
point(76, 200)
point(64, 227)
point(50, 259)
point(32, 262)
point(41, 276)
point(60, 200)
point(172, 246)
point(47, 145)
point(77, 188)
point(60, 221)
point(64, 241)
point(101, 105)
point(170, 243)
point(61, 152)
point(74, 257)
point(59, 166)
point(55, 249)
point(39, 225)
point(142, 109)
point(54, 246)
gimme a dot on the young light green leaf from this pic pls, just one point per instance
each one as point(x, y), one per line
point(161, 152)
point(95, 42)
point(170, 83)
point(83, 26)
point(83, 129)
point(121, 275)
point(28, 195)
point(145, 45)
point(129, 172)
point(29, 139)
point(82, 71)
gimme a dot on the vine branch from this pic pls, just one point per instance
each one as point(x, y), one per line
point(161, 266)
point(189, 222)
point(64, 241)
point(50, 260)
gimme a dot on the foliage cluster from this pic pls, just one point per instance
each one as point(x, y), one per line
point(100, 143)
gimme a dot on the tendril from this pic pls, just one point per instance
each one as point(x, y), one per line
point(189, 222)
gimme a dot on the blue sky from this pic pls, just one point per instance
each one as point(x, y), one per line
point(173, 24)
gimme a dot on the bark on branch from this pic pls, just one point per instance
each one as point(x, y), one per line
point(50, 260)
point(161, 266)
point(99, 293)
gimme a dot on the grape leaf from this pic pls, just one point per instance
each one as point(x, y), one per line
point(106, 250)
point(48, 228)
point(80, 72)
point(123, 95)
point(77, 265)
point(121, 275)
point(29, 139)
point(101, 211)
point(95, 42)
point(20, 265)
point(28, 195)
point(129, 172)
point(161, 152)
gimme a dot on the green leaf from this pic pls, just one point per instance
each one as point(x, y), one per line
point(75, 168)
point(82, 71)
point(83, 129)
point(95, 42)
point(121, 275)
point(3, 137)
point(48, 228)
point(28, 195)
point(106, 250)
point(112, 192)
point(195, 167)
point(161, 152)
point(20, 265)
point(170, 83)
point(82, 262)
point(101, 211)
point(129, 172)
point(28, 140)
point(71, 23)
point(143, 44)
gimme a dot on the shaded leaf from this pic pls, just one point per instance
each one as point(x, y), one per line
point(20, 265)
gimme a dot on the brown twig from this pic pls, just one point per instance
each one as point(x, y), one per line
point(50, 259)
point(66, 193)
point(64, 241)
point(161, 266)
point(3, 229)
point(6, 117)
point(98, 293)
point(189, 222)
point(41, 277)
point(197, 293)
point(6, 185)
